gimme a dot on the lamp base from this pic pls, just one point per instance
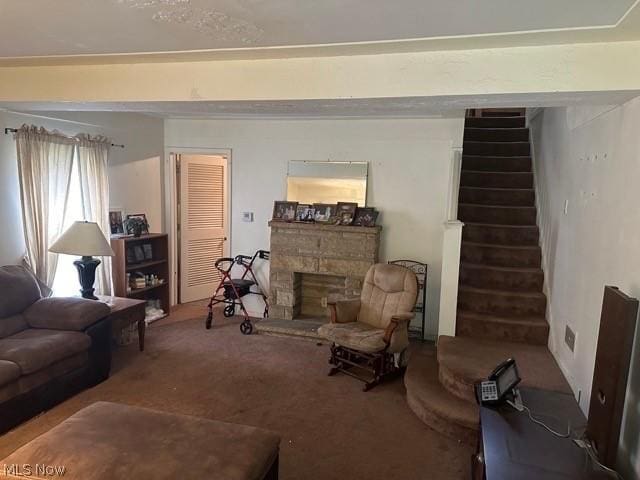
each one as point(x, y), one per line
point(87, 274)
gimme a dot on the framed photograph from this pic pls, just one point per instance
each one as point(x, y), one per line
point(305, 213)
point(346, 212)
point(142, 217)
point(365, 217)
point(284, 211)
point(324, 212)
point(116, 217)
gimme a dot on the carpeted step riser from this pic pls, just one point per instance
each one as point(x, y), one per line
point(497, 149)
point(458, 387)
point(497, 215)
point(442, 425)
point(485, 277)
point(500, 257)
point(495, 122)
point(473, 134)
point(496, 179)
point(432, 404)
point(502, 305)
point(496, 329)
point(496, 164)
point(501, 235)
point(497, 196)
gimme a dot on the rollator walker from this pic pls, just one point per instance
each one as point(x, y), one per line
point(230, 291)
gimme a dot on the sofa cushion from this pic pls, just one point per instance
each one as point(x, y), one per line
point(13, 324)
point(34, 349)
point(138, 443)
point(9, 372)
point(19, 290)
point(357, 335)
point(65, 313)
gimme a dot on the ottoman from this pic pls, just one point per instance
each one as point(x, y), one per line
point(110, 441)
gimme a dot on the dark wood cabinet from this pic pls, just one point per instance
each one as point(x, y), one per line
point(147, 255)
point(511, 446)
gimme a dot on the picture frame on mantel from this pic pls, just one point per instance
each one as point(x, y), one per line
point(284, 211)
point(346, 212)
point(365, 217)
point(325, 213)
point(305, 213)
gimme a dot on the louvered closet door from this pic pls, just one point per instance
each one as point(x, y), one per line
point(203, 224)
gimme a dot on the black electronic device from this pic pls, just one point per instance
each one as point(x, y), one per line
point(500, 386)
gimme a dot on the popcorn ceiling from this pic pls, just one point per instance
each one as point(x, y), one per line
point(210, 22)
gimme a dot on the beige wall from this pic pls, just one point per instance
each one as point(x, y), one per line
point(409, 163)
point(553, 69)
point(590, 158)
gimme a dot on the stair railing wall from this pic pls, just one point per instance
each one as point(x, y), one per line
point(451, 244)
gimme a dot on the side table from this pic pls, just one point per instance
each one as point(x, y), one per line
point(124, 312)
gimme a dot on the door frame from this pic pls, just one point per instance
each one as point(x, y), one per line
point(171, 205)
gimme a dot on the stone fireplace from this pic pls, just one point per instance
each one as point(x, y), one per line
point(313, 264)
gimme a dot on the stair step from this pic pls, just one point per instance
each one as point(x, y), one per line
point(496, 122)
point(501, 278)
point(501, 255)
point(434, 405)
point(502, 112)
point(463, 361)
point(514, 197)
point(502, 303)
point(496, 134)
point(476, 178)
point(515, 235)
point(496, 164)
point(531, 330)
point(497, 214)
point(496, 149)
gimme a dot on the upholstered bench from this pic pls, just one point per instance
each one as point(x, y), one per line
point(110, 441)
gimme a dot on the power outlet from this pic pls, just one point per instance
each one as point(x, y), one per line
point(569, 338)
point(324, 302)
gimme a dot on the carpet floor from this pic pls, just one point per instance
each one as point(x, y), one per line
point(330, 429)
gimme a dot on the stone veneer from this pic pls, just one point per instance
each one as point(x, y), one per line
point(315, 263)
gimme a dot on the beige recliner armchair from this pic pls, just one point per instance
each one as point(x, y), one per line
point(367, 332)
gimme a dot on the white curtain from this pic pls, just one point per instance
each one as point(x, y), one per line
point(94, 189)
point(45, 160)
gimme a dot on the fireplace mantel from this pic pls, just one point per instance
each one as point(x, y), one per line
point(312, 264)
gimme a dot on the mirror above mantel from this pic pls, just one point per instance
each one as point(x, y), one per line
point(311, 182)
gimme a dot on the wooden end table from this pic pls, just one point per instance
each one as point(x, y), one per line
point(124, 312)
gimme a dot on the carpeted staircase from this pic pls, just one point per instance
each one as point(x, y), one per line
point(501, 306)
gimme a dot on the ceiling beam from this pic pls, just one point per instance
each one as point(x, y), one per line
point(598, 67)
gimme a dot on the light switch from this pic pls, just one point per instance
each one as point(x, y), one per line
point(247, 216)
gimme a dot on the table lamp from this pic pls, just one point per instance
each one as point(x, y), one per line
point(84, 239)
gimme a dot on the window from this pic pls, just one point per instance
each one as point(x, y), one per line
point(65, 282)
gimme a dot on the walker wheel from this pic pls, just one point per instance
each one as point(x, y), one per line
point(229, 310)
point(209, 320)
point(246, 328)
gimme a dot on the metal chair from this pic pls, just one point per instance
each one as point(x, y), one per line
point(420, 269)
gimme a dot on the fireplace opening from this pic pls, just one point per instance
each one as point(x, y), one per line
point(312, 293)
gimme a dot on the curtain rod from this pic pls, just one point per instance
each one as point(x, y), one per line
point(7, 131)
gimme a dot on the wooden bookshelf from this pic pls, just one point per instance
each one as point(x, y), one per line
point(126, 262)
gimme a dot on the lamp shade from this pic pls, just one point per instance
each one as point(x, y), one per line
point(84, 239)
